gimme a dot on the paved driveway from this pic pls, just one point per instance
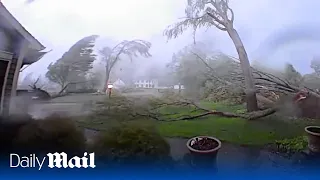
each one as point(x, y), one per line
point(71, 105)
point(76, 104)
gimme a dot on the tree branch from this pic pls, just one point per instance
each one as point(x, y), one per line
point(218, 22)
point(65, 87)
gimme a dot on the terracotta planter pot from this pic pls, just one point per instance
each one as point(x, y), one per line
point(204, 152)
point(313, 133)
point(203, 158)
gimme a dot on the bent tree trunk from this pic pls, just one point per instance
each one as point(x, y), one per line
point(250, 91)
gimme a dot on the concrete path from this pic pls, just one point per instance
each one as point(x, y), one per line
point(231, 156)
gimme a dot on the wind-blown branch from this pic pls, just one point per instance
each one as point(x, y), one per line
point(203, 13)
point(208, 66)
point(270, 81)
point(131, 49)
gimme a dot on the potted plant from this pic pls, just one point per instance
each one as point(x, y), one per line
point(203, 150)
point(313, 133)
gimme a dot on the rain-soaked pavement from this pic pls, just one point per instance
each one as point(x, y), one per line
point(245, 157)
point(238, 157)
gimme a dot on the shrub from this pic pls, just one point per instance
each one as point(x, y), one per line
point(292, 145)
point(9, 127)
point(120, 108)
point(53, 134)
point(130, 143)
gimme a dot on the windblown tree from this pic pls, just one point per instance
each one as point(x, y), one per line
point(207, 75)
point(186, 69)
point(217, 13)
point(130, 49)
point(315, 65)
point(30, 82)
point(223, 73)
point(74, 64)
point(94, 80)
point(292, 75)
point(312, 80)
point(26, 81)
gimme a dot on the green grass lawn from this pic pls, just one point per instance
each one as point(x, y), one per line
point(233, 130)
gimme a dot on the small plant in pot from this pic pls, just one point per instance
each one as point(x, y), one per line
point(204, 150)
point(313, 133)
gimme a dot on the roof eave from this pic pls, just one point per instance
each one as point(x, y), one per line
point(34, 58)
point(33, 42)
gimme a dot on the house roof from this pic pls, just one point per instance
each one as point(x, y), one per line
point(34, 43)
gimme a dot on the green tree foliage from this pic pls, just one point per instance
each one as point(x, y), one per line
point(315, 65)
point(74, 64)
point(188, 70)
point(129, 48)
point(292, 75)
point(94, 80)
point(312, 80)
point(201, 73)
point(217, 13)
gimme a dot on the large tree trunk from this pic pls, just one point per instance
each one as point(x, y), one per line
point(251, 98)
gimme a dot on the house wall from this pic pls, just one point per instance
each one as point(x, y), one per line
point(178, 87)
point(8, 86)
point(16, 40)
point(146, 84)
point(7, 45)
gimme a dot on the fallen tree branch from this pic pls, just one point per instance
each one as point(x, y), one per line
point(206, 112)
point(275, 82)
point(250, 116)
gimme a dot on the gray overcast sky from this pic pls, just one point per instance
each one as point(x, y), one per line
point(262, 24)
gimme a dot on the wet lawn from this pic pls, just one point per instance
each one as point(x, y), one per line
point(232, 130)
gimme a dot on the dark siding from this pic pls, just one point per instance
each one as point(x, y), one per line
point(7, 91)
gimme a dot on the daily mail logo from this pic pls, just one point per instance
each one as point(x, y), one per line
point(53, 160)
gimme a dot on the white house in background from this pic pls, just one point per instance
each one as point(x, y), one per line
point(143, 83)
point(177, 86)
